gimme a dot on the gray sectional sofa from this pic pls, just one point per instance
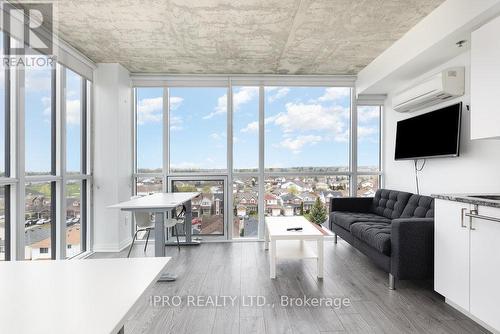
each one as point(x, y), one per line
point(395, 229)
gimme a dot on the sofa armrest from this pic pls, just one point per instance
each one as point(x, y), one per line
point(412, 248)
point(353, 204)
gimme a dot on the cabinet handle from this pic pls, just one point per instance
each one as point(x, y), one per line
point(462, 218)
point(473, 214)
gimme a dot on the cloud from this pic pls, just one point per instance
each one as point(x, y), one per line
point(251, 127)
point(241, 96)
point(295, 145)
point(175, 123)
point(47, 108)
point(38, 79)
point(47, 103)
point(72, 93)
point(73, 112)
point(217, 136)
point(367, 133)
point(221, 107)
point(310, 117)
point(368, 113)
point(335, 94)
point(149, 110)
point(175, 102)
point(280, 93)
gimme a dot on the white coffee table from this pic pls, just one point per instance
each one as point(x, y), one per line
point(292, 244)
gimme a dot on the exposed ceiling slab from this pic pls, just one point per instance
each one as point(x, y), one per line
point(238, 36)
point(430, 43)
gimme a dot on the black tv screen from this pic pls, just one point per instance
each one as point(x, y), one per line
point(431, 135)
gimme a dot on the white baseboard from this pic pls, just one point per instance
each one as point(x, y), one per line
point(112, 247)
point(466, 313)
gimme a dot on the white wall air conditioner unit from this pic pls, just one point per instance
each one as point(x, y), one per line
point(443, 86)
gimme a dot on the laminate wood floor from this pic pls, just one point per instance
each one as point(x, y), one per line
point(241, 270)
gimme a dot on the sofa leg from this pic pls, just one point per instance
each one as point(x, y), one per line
point(392, 282)
point(335, 238)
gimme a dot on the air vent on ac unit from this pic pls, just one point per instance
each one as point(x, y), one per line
point(440, 87)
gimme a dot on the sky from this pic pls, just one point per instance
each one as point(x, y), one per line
point(38, 116)
point(304, 127)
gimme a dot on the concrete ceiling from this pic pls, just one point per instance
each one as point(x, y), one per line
point(238, 36)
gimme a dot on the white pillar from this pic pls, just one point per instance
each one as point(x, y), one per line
point(113, 129)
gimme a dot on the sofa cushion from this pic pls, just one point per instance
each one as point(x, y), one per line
point(346, 218)
point(390, 203)
point(374, 234)
point(419, 206)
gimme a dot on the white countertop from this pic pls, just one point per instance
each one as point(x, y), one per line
point(73, 296)
point(156, 201)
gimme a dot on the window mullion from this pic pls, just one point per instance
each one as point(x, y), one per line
point(261, 204)
point(60, 189)
point(229, 146)
point(353, 168)
point(18, 107)
point(166, 136)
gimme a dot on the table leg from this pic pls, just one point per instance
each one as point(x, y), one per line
point(272, 258)
point(188, 221)
point(320, 258)
point(160, 244)
point(266, 242)
point(159, 234)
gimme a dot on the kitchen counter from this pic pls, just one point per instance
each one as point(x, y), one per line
point(467, 198)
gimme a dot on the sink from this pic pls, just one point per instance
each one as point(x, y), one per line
point(489, 197)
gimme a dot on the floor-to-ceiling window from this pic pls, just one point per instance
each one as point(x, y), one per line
point(369, 173)
point(181, 139)
point(245, 176)
point(254, 149)
point(77, 172)
point(6, 181)
point(197, 153)
point(39, 161)
point(44, 162)
point(307, 145)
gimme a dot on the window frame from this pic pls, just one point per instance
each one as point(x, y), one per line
point(174, 177)
point(16, 177)
point(370, 101)
point(166, 82)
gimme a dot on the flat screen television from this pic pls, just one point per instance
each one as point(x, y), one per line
point(431, 135)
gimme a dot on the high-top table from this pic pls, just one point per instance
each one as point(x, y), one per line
point(73, 296)
point(159, 204)
point(291, 244)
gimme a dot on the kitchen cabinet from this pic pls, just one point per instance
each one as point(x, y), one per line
point(467, 259)
point(451, 251)
point(485, 266)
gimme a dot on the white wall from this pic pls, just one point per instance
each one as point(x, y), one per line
point(112, 156)
point(476, 170)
